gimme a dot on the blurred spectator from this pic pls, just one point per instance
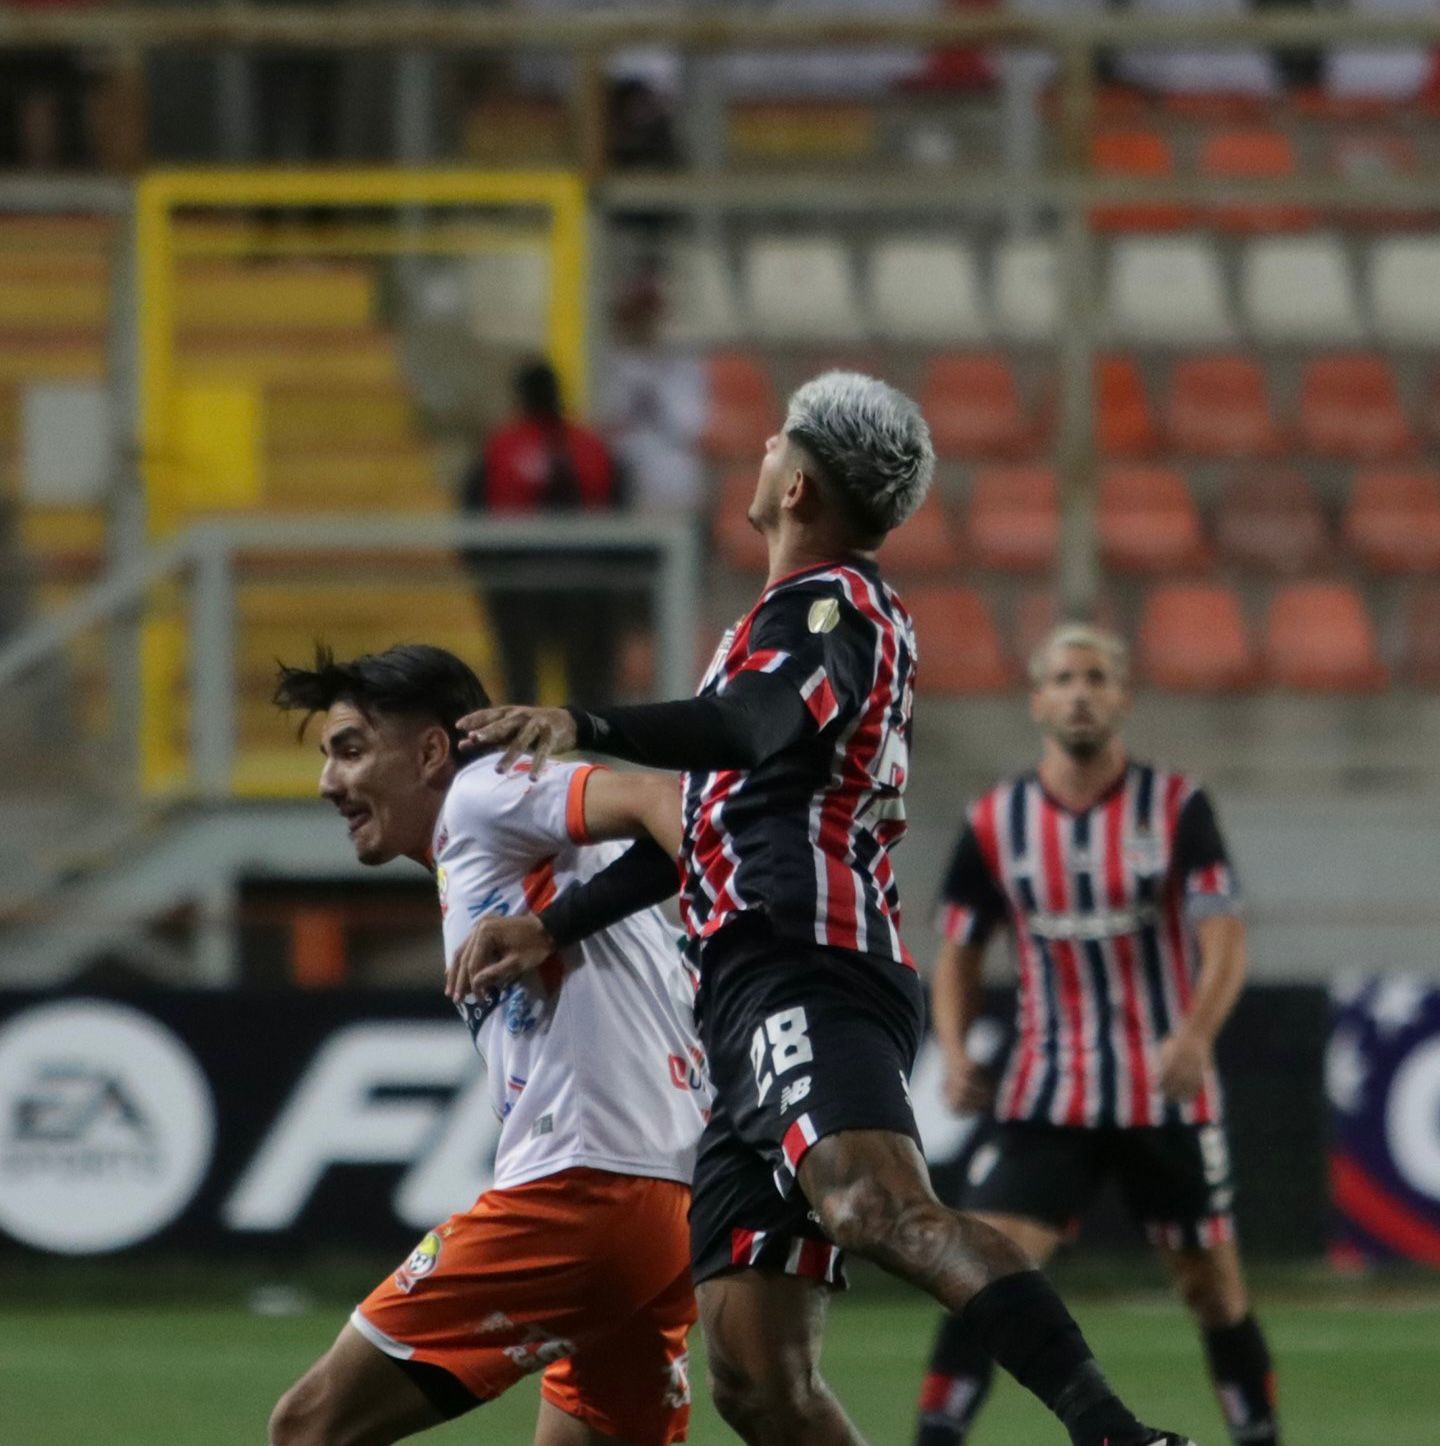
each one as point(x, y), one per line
point(45, 100)
point(540, 462)
point(653, 404)
point(1386, 73)
point(1229, 70)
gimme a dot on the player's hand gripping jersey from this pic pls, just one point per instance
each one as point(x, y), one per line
point(593, 1060)
point(804, 836)
point(1103, 904)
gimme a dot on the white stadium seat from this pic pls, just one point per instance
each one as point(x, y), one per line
point(1299, 289)
point(702, 309)
point(1405, 289)
point(926, 291)
point(1167, 290)
point(800, 290)
point(1026, 301)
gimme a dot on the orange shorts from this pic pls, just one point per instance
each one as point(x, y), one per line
point(583, 1275)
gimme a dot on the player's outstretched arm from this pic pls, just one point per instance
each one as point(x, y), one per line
point(757, 715)
point(632, 805)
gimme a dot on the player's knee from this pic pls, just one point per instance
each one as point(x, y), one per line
point(303, 1415)
point(870, 1217)
point(776, 1398)
point(1207, 1295)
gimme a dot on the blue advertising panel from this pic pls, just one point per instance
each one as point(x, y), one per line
point(1382, 1072)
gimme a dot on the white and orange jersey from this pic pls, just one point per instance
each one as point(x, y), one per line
point(593, 1059)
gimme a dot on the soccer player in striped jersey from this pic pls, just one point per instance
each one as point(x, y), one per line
point(795, 756)
point(1117, 887)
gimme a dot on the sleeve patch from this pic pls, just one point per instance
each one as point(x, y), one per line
point(819, 698)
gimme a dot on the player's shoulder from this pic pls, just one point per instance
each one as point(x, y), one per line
point(849, 593)
point(480, 793)
point(1168, 782)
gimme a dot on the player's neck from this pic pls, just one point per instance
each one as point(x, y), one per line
point(1077, 783)
point(795, 549)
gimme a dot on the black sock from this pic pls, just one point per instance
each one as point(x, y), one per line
point(955, 1386)
point(1244, 1381)
point(1022, 1324)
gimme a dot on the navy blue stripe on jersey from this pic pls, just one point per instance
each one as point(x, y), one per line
point(1098, 966)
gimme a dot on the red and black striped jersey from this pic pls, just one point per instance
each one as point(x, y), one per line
point(804, 837)
point(1103, 904)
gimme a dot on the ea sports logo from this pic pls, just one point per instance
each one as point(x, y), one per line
point(106, 1127)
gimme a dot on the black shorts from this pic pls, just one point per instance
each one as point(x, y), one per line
point(803, 1042)
point(1174, 1178)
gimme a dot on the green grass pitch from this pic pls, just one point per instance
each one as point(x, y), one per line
point(1355, 1370)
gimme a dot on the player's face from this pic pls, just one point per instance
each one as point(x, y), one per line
point(777, 472)
point(379, 773)
point(1081, 701)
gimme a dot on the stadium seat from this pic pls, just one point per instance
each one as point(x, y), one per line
point(1038, 611)
point(743, 407)
point(1026, 290)
point(925, 542)
point(1253, 155)
point(1319, 639)
point(1392, 520)
point(926, 291)
point(1299, 289)
point(1143, 155)
point(1422, 636)
point(1148, 522)
point(799, 290)
point(959, 646)
point(973, 407)
point(1167, 290)
point(1219, 407)
point(1271, 520)
point(1124, 422)
point(1405, 290)
point(1350, 408)
point(1193, 639)
point(738, 544)
point(702, 309)
point(1359, 156)
point(1012, 520)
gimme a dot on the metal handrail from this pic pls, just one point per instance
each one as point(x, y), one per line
point(208, 552)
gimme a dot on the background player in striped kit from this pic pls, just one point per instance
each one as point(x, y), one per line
point(1115, 880)
point(796, 754)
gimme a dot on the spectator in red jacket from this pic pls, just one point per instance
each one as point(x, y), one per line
point(542, 462)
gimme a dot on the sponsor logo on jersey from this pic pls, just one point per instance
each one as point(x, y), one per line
point(1102, 924)
point(107, 1127)
point(688, 1074)
point(420, 1263)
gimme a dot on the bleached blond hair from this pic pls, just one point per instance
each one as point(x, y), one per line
point(1081, 635)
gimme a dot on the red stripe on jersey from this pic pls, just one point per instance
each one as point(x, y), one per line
point(796, 1141)
point(1127, 965)
point(741, 1244)
point(1067, 959)
point(539, 889)
point(814, 1259)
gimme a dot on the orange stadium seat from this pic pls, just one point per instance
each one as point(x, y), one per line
point(959, 646)
point(1219, 407)
point(1392, 520)
point(1430, 408)
point(1148, 521)
point(1270, 519)
point(1143, 155)
point(1422, 636)
point(1193, 639)
point(1038, 611)
point(1350, 408)
point(744, 408)
point(1253, 155)
point(1124, 422)
point(924, 543)
point(1013, 518)
point(1319, 639)
point(973, 407)
point(738, 544)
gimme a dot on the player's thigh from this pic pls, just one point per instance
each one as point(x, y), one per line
point(554, 1427)
point(354, 1395)
point(763, 1331)
point(1042, 1176)
point(631, 1382)
point(1211, 1282)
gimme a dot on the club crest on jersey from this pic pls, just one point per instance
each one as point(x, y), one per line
point(1144, 852)
point(420, 1263)
point(442, 887)
point(522, 1010)
point(824, 614)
